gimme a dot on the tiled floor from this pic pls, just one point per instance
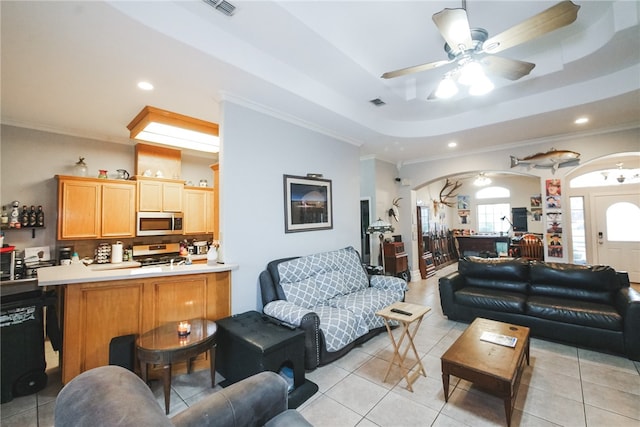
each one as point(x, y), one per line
point(563, 386)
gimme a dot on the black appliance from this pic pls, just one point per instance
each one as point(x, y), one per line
point(7, 263)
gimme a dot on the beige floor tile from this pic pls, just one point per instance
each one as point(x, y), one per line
point(553, 348)
point(444, 421)
point(357, 394)
point(554, 362)
point(551, 381)
point(46, 414)
point(18, 405)
point(604, 375)
point(552, 407)
point(327, 376)
point(600, 417)
point(188, 385)
point(619, 402)
point(375, 369)
point(396, 410)
point(426, 391)
point(475, 408)
point(27, 418)
point(325, 411)
point(588, 357)
point(366, 423)
point(353, 360)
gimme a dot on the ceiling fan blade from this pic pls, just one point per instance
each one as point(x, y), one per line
point(414, 69)
point(511, 69)
point(558, 16)
point(454, 27)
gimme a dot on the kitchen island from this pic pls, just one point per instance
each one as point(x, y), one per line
point(98, 305)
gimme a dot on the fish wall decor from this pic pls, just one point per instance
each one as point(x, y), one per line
point(551, 159)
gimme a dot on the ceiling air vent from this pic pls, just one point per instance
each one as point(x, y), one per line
point(377, 102)
point(222, 6)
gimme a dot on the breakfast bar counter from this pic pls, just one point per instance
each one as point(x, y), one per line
point(80, 273)
point(99, 305)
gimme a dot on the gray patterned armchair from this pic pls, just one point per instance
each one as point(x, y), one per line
point(331, 298)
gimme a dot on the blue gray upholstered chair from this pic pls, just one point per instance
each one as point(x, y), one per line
point(113, 396)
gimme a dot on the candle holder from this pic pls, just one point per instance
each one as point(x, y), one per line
point(184, 329)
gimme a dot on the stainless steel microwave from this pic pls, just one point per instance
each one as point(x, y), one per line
point(158, 223)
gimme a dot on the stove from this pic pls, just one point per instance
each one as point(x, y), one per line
point(157, 254)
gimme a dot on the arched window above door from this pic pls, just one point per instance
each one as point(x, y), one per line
point(493, 193)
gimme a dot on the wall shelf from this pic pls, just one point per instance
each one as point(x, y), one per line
point(32, 229)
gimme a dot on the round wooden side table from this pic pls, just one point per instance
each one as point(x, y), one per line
point(163, 346)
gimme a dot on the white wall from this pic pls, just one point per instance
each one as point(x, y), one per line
point(257, 150)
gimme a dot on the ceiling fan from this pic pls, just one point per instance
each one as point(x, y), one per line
point(473, 50)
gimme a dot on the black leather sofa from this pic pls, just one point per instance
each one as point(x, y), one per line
point(586, 306)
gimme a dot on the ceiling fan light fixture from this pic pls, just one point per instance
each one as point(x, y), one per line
point(447, 88)
point(482, 180)
point(481, 87)
point(471, 73)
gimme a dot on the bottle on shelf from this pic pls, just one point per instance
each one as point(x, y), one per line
point(33, 216)
point(40, 217)
point(4, 220)
point(24, 216)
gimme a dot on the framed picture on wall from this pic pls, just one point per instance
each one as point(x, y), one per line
point(307, 204)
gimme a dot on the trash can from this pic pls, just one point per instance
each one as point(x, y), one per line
point(22, 345)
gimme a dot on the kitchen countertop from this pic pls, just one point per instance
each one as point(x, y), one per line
point(79, 273)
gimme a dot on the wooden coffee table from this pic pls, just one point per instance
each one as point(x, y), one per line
point(162, 346)
point(492, 367)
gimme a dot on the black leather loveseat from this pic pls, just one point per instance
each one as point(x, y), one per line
point(587, 306)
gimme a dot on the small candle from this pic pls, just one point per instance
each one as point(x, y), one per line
point(184, 329)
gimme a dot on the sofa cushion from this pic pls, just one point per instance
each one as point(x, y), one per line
point(310, 280)
point(366, 302)
point(491, 299)
point(340, 326)
point(587, 283)
point(583, 313)
point(506, 274)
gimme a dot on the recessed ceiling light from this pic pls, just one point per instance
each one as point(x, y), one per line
point(581, 120)
point(452, 144)
point(145, 86)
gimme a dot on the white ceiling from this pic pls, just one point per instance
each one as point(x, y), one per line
point(72, 68)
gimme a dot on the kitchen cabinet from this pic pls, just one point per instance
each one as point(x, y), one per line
point(159, 194)
point(90, 208)
point(96, 312)
point(198, 210)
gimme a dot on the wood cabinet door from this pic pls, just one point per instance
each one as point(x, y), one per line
point(149, 196)
point(172, 196)
point(209, 213)
point(119, 209)
point(195, 211)
point(95, 314)
point(78, 209)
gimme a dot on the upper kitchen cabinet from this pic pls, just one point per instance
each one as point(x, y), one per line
point(159, 194)
point(198, 210)
point(90, 208)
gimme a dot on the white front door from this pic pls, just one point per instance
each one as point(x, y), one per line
point(618, 232)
